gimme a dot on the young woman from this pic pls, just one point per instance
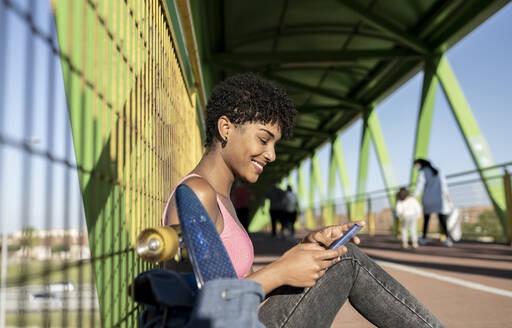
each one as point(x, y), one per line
point(245, 117)
point(435, 198)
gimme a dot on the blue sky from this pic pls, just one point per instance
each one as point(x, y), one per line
point(481, 62)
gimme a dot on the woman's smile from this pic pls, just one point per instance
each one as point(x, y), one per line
point(258, 165)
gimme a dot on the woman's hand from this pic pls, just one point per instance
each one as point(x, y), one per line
point(326, 236)
point(304, 264)
point(300, 266)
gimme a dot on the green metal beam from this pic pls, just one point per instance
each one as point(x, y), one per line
point(425, 115)
point(404, 37)
point(301, 190)
point(337, 164)
point(310, 216)
point(309, 29)
point(440, 12)
point(308, 57)
point(294, 84)
point(318, 181)
point(282, 147)
point(323, 108)
point(330, 187)
point(473, 137)
point(319, 91)
point(382, 71)
point(383, 156)
point(364, 155)
point(310, 132)
point(342, 168)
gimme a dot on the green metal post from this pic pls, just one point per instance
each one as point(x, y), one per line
point(382, 153)
point(320, 186)
point(261, 218)
point(301, 192)
point(508, 198)
point(342, 169)
point(332, 179)
point(364, 155)
point(475, 141)
point(310, 214)
point(290, 180)
point(424, 124)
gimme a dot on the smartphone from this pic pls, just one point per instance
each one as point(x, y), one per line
point(346, 237)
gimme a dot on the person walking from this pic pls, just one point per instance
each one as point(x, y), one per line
point(290, 208)
point(277, 213)
point(409, 209)
point(432, 183)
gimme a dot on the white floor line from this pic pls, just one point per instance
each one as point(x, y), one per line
point(455, 281)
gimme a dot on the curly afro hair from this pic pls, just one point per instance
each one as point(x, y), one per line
point(249, 98)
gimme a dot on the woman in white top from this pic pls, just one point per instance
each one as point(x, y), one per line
point(432, 183)
point(409, 209)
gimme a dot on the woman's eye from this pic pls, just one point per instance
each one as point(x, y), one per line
point(263, 141)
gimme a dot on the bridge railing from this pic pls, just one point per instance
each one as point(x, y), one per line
point(478, 217)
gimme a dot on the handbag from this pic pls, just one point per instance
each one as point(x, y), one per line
point(453, 224)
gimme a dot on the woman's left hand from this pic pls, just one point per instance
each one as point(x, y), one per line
point(326, 236)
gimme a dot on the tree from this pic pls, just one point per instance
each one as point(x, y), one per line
point(28, 240)
point(60, 248)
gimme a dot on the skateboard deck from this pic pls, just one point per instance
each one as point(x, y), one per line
point(204, 247)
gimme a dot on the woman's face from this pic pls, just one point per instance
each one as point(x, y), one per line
point(250, 147)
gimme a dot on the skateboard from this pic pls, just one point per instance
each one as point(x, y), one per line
point(204, 248)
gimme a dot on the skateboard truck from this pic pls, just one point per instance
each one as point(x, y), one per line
point(160, 244)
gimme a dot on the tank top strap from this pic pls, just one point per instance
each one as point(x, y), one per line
point(172, 194)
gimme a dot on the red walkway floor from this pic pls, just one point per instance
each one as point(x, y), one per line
point(467, 285)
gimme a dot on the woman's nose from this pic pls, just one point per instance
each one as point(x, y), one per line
point(270, 154)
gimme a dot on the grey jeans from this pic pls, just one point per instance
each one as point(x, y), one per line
point(370, 290)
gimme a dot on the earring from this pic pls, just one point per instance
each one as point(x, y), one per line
point(224, 142)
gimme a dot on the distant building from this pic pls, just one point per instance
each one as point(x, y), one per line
point(57, 244)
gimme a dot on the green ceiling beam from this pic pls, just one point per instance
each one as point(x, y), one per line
point(292, 149)
point(310, 132)
point(384, 70)
point(462, 22)
point(330, 57)
point(294, 84)
point(325, 108)
point(437, 15)
point(322, 92)
point(309, 29)
point(404, 37)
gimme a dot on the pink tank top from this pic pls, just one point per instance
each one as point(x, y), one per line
point(235, 239)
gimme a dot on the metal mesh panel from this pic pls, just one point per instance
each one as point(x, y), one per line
point(100, 85)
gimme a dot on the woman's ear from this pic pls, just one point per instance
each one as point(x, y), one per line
point(224, 126)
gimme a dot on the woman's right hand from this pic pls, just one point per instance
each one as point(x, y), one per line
point(304, 264)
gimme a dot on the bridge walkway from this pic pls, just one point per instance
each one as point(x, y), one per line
point(467, 285)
